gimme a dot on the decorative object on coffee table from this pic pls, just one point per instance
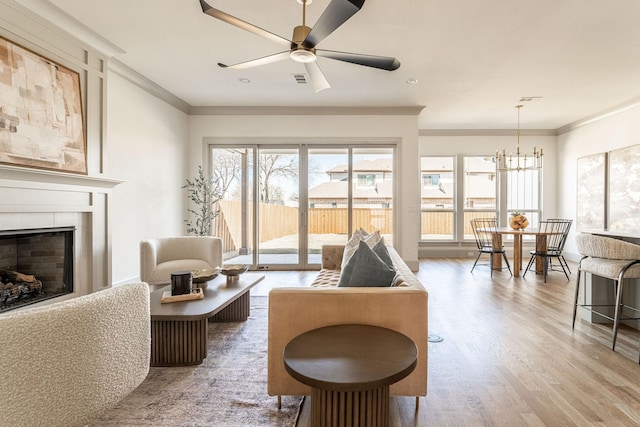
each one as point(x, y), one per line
point(232, 271)
point(181, 283)
point(517, 221)
point(196, 293)
point(202, 276)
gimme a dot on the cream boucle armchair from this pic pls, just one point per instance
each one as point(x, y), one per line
point(161, 257)
point(67, 362)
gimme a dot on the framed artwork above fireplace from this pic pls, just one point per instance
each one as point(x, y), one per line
point(41, 117)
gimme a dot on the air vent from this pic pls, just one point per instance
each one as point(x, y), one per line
point(530, 98)
point(300, 78)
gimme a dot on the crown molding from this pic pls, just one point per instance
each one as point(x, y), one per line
point(306, 111)
point(632, 103)
point(144, 83)
point(486, 132)
point(70, 25)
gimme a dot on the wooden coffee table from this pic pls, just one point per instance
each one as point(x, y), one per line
point(179, 329)
point(350, 368)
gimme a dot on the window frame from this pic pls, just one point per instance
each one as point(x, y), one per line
point(501, 211)
point(452, 210)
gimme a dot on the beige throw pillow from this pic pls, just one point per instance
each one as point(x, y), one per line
point(352, 244)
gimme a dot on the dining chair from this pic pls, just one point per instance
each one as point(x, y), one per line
point(613, 259)
point(554, 232)
point(485, 231)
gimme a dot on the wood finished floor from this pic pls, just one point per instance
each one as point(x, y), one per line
point(509, 356)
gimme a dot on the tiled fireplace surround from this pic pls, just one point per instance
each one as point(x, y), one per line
point(41, 199)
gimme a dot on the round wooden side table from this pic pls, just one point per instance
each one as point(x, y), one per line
point(350, 369)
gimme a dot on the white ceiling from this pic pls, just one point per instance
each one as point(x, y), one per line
point(474, 59)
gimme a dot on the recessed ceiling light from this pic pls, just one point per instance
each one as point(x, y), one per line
point(411, 81)
point(244, 80)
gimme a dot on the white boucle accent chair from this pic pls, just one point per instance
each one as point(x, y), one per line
point(611, 258)
point(67, 362)
point(163, 256)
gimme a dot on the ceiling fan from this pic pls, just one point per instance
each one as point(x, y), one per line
point(302, 46)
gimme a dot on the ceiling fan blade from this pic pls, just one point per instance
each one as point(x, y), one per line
point(381, 62)
point(257, 62)
point(318, 81)
point(336, 14)
point(225, 17)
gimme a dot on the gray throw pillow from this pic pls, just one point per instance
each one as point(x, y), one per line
point(381, 250)
point(366, 269)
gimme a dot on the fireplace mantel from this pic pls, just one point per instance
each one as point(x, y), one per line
point(34, 198)
point(52, 177)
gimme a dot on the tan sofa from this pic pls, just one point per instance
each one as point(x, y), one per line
point(161, 257)
point(295, 310)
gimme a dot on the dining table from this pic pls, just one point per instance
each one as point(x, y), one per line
point(541, 246)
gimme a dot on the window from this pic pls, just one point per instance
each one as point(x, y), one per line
point(479, 191)
point(437, 198)
point(455, 190)
point(366, 180)
point(523, 194)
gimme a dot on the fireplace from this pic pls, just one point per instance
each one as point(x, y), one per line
point(35, 265)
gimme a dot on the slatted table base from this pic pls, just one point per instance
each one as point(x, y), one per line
point(178, 343)
point(368, 408)
point(181, 343)
point(237, 310)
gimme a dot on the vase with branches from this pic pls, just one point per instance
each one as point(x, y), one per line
point(204, 192)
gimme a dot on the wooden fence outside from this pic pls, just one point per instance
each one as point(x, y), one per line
point(441, 223)
point(278, 221)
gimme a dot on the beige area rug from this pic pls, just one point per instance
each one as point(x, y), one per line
point(229, 388)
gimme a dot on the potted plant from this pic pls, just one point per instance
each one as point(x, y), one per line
point(518, 221)
point(204, 192)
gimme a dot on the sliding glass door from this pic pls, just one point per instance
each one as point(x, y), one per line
point(328, 200)
point(278, 212)
point(281, 202)
point(372, 191)
point(233, 171)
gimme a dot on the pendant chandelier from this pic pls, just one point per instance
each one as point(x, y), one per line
point(519, 161)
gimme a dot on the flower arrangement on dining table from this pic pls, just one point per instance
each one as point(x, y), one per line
point(518, 221)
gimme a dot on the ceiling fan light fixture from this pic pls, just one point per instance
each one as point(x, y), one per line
point(303, 56)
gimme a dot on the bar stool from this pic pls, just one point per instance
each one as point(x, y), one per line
point(613, 259)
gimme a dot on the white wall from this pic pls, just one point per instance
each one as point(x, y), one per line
point(329, 128)
point(606, 134)
point(147, 149)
